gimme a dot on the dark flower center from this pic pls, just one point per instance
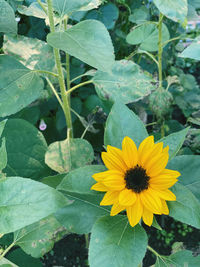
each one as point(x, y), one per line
point(137, 179)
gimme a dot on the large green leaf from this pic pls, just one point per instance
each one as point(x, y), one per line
point(88, 41)
point(19, 86)
point(146, 35)
point(179, 259)
point(85, 209)
point(8, 23)
point(33, 10)
point(80, 180)
point(39, 238)
point(189, 167)
point(175, 10)
point(65, 7)
point(6, 263)
point(186, 207)
point(26, 148)
point(123, 122)
point(174, 141)
point(24, 201)
point(126, 83)
point(192, 51)
point(63, 156)
point(31, 52)
point(114, 243)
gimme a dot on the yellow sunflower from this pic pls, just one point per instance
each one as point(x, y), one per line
point(137, 180)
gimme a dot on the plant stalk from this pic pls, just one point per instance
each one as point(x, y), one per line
point(160, 49)
point(65, 98)
point(7, 250)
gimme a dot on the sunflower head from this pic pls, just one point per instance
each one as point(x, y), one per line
point(137, 180)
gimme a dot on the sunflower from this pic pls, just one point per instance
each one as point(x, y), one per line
point(136, 180)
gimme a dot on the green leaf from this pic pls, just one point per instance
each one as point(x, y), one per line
point(192, 51)
point(126, 83)
point(3, 154)
point(24, 201)
point(39, 238)
point(184, 164)
point(140, 15)
point(186, 207)
point(80, 180)
point(63, 156)
point(88, 41)
point(33, 10)
point(115, 243)
point(31, 52)
point(80, 216)
point(2, 125)
point(174, 141)
point(23, 260)
point(175, 10)
point(53, 181)
point(123, 122)
point(146, 35)
point(19, 86)
point(65, 7)
point(179, 259)
point(26, 148)
point(8, 23)
point(6, 263)
point(76, 186)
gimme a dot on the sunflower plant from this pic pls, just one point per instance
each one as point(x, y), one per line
point(84, 140)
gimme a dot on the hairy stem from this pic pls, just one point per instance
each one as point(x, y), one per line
point(65, 98)
point(160, 49)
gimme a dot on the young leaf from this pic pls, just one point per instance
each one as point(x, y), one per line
point(184, 164)
point(38, 238)
point(24, 201)
point(8, 23)
point(126, 83)
point(114, 243)
point(175, 10)
point(88, 41)
point(123, 122)
point(186, 207)
point(174, 141)
point(66, 155)
point(19, 86)
point(26, 148)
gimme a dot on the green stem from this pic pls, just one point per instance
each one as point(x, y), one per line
point(77, 86)
point(42, 6)
point(67, 60)
point(7, 250)
point(154, 252)
point(47, 72)
point(162, 130)
point(87, 241)
point(131, 55)
point(66, 104)
point(55, 92)
point(160, 49)
point(150, 55)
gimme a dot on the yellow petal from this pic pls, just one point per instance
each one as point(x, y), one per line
point(150, 154)
point(117, 154)
point(130, 153)
point(165, 209)
point(145, 146)
point(157, 165)
point(112, 162)
point(134, 212)
point(116, 208)
point(127, 197)
point(99, 187)
point(147, 217)
point(168, 173)
point(114, 182)
point(151, 201)
point(163, 184)
point(101, 175)
point(166, 194)
point(109, 198)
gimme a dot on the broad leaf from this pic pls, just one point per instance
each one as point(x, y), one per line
point(146, 35)
point(88, 41)
point(63, 156)
point(174, 141)
point(19, 86)
point(6, 263)
point(123, 122)
point(192, 51)
point(24, 201)
point(186, 207)
point(65, 7)
point(8, 23)
point(115, 243)
point(39, 238)
point(189, 167)
point(33, 10)
point(53, 181)
point(126, 83)
point(175, 10)
point(26, 148)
